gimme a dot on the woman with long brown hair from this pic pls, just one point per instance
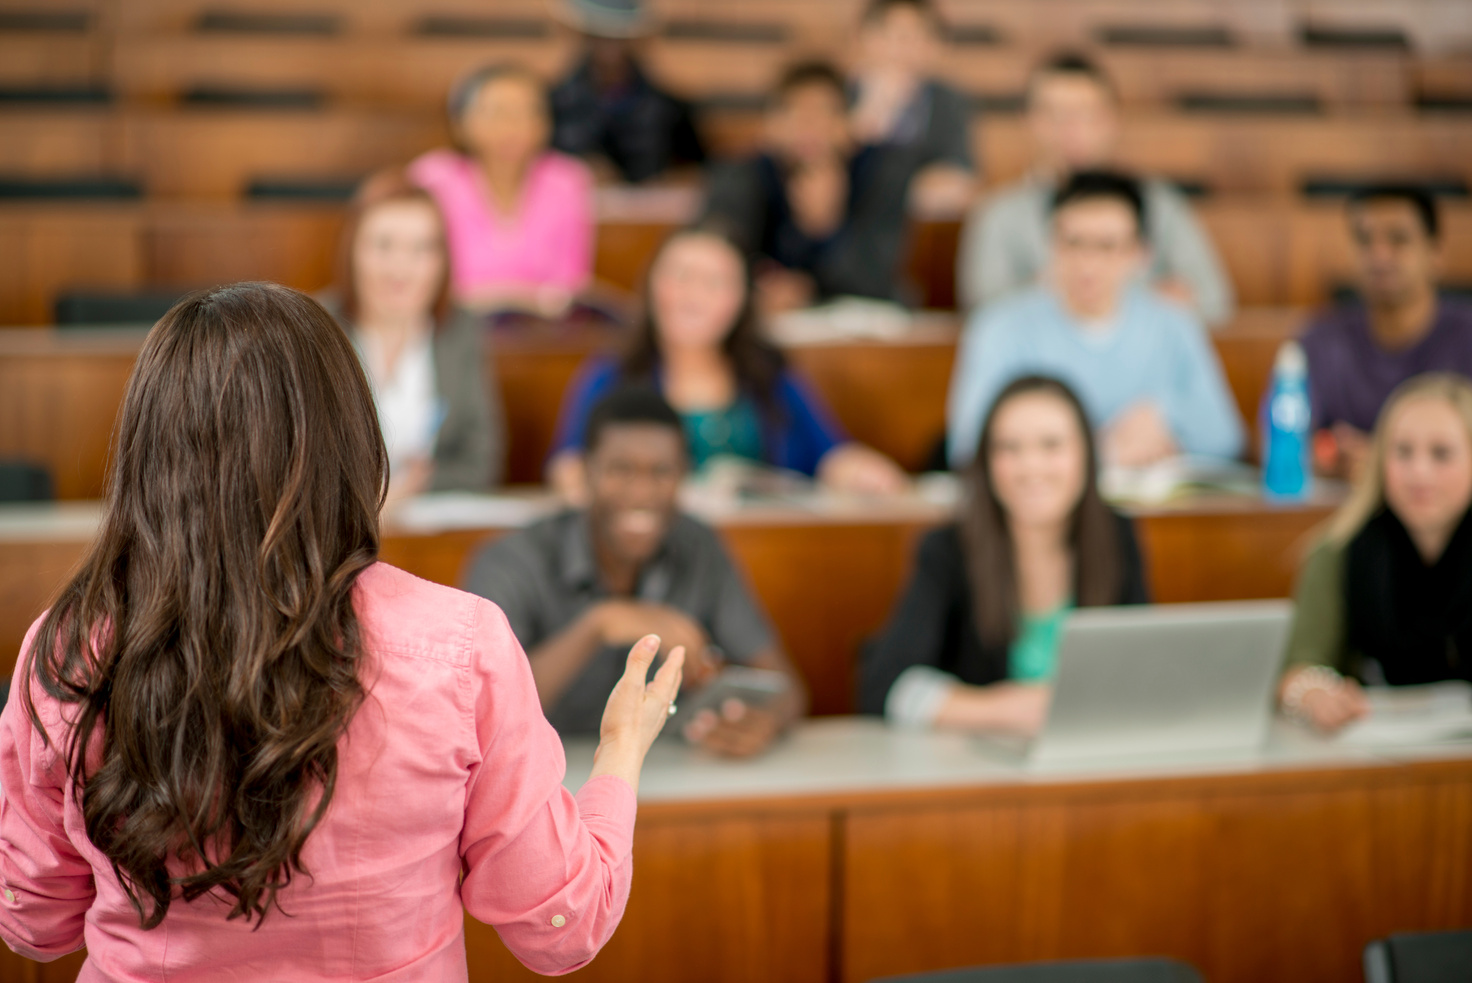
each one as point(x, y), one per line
point(246, 749)
point(973, 642)
point(700, 345)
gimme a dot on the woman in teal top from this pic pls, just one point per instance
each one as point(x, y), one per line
point(700, 345)
point(973, 642)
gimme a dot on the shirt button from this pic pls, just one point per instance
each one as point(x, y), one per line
point(557, 920)
point(9, 896)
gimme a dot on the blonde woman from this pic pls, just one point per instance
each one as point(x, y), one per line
point(1387, 595)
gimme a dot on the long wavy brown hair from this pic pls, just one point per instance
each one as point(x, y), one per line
point(208, 644)
point(990, 557)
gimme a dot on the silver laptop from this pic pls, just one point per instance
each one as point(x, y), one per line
point(1163, 681)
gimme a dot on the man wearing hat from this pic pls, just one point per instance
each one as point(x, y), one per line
point(608, 109)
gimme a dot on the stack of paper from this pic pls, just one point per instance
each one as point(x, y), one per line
point(1414, 715)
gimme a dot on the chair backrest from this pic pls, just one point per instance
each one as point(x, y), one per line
point(1147, 970)
point(94, 308)
point(1420, 957)
point(22, 481)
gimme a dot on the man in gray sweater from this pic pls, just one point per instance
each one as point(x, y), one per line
point(1074, 120)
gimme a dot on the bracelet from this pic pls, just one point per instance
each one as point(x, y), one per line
point(1305, 681)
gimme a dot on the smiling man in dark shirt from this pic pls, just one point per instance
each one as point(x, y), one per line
point(579, 587)
point(1399, 327)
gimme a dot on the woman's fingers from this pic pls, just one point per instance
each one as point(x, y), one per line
point(641, 657)
point(666, 685)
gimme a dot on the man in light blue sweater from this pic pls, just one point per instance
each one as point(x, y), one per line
point(1141, 364)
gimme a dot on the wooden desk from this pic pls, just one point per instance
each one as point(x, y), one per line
point(827, 570)
point(852, 851)
point(1275, 868)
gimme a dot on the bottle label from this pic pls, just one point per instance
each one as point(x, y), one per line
point(1290, 412)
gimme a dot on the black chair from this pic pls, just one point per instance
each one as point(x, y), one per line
point(1148, 970)
point(22, 481)
point(66, 188)
point(127, 308)
point(1420, 957)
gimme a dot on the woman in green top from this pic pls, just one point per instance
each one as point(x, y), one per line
point(1386, 597)
point(972, 643)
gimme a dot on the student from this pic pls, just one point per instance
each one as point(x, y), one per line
point(1142, 366)
point(700, 347)
point(242, 746)
point(974, 639)
point(520, 216)
point(575, 587)
point(608, 110)
point(1073, 115)
point(439, 405)
point(897, 103)
point(1399, 328)
point(821, 216)
point(1387, 594)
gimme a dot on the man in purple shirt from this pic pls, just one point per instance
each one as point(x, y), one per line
point(1359, 352)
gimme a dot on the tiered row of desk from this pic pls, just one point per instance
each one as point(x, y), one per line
point(1244, 110)
point(828, 570)
point(60, 389)
point(1277, 251)
point(853, 851)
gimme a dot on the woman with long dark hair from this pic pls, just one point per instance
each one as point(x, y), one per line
point(246, 749)
point(973, 642)
point(700, 345)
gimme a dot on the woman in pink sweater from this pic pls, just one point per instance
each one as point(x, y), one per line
point(242, 748)
point(519, 215)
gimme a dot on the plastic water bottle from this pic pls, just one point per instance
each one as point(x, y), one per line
point(1286, 461)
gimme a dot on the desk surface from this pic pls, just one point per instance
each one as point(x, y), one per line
point(839, 757)
point(931, 500)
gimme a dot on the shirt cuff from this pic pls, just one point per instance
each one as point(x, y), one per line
point(607, 805)
point(916, 697)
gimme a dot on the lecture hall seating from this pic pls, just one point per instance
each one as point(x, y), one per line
point(365, 83)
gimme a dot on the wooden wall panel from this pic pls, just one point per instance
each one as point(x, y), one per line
point(891, 397)
point(203, 246)
point(1234, 555)
point(827, 589)
point(1285, 881)
point(48, 249)
point(738, 899)
point(1259, 153)
point(534, 375)
point(16, 969)
point(214, 154)
point(46, 144)
point(51, 58)
point(30, 575)
point(59, 411)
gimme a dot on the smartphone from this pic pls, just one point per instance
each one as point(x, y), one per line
point(754, 687)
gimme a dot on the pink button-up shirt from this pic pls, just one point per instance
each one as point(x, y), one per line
point(547, 242)
point(448, 768)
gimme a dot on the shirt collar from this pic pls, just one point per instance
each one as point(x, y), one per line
point(579, 566)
